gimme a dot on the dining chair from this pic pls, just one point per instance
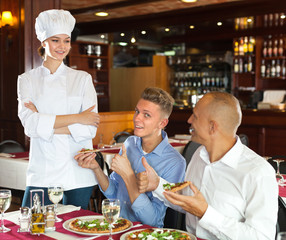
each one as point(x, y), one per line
point(11, 146)
point(281, 220)
point(120, 137)
point(189, 150)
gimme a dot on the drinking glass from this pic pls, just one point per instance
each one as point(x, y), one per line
point(279, 176)
point(56, 192)
point(281, 236)
point(5, 201)
point(110, 211)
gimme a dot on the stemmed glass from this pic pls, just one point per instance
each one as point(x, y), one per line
point(56, 192)
point(5, 201)
point(110, 211)
point(279, 176)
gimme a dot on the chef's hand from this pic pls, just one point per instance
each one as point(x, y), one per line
point(88, 117)
point(196, 204)
point(121, 165)
point(31, 106)
point(87, 160)
point(148, 180)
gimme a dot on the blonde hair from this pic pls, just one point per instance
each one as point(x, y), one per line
point(159, 97)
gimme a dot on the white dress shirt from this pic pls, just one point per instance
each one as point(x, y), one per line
point(241, 192)
point(51, 160)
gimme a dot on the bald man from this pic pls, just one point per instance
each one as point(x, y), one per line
point(233, 191)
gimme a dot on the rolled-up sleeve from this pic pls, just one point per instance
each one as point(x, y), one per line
point(80, 132)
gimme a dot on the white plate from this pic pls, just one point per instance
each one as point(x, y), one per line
point(89, 218)
point(123, 236)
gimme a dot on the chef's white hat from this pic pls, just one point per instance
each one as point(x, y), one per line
point(53, 22)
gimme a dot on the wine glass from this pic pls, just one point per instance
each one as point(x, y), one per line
point(279, 176)
point(5, 201)
point(281, 236)
point(110, 211)
point(56, 192)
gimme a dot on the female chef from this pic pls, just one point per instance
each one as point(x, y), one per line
point(57, 106)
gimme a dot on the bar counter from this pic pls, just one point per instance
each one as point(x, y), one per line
point(266, 129)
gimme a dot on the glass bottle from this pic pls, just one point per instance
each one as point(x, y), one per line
point(236, 52)
point(264, 51)
point(240, 48)
point(24, 219)
point(273, 69)
point(278, 68)
point(263, 68)
point(236, 66)
point(275, 48)
point(37, 219)
point(280, 47)
point(245, 46)
point(50, 218)
point(251, 45)
point(249, 64)
point(269, 49)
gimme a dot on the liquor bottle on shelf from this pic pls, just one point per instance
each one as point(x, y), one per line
point(269, 49)
point(245, 46)
point(276, 19)
point(249, 64)
point(236, 49)
point(251, 45)
point(282, 19)
point(280, 47)
point(270, 20)
point(278, 68)
point(245, 65)
point(268, 69)
point(273, 69)
point(240, 65)
point(264, 51)
point(275, 48)
point(265, 20)
point(263, 68)
point(240, 47)
point(236, 66)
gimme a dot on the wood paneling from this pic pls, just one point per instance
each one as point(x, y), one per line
point(127, 84)
point(112, 123)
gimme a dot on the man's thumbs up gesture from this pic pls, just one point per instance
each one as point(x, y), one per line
point(121, 164)
point(148, 180)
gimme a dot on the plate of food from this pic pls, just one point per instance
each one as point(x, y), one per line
point(95, 225)
point(157, 233)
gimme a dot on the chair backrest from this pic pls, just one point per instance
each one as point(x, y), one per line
point(281, 221)
point(189, 150)
point(11, 146)
point(244, 139)
point(120, 137)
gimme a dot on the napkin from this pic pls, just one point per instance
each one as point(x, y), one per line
point(7, 155)
point(271, 97)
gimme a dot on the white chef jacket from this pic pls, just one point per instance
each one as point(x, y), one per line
point(51, 159)
point(241, 192)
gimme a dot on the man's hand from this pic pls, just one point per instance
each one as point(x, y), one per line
point(87, 160)
point(121, 164)
point(88, 117)
point(31, 106)
point(195, 204)
point(148, 180)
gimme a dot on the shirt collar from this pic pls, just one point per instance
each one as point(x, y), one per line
point(231, 158)
point(60, 70)
point(160, 148)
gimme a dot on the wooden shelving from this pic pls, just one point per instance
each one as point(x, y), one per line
point(93, 57)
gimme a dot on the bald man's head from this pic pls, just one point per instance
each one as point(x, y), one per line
point(224, 108)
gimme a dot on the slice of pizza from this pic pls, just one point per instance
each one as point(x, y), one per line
point(174, 187)
point(158, 234)
point(86, 150)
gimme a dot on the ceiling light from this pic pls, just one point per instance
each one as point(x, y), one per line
point(102, 36)
point(122, 34)
point(188, 1)
point(192, 26)
point(249, 20)
point(167, 29)
point(101, 14)
point(219, 23)
point(133, 40)
point(282, 16)
point(123, 44)
point(143, 32)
